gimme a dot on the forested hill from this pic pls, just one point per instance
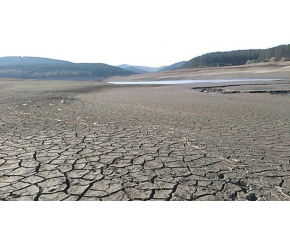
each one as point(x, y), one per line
point(172, 67)
point(39, 68)
point(240, 57)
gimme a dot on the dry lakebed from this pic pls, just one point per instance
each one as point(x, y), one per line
point(87, 140)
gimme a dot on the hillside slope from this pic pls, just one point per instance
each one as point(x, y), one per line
point(239, 57)
point(172, 67)
point(142, 69)
point(34, 67)
point(135, 69)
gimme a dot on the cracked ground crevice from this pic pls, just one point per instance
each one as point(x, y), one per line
point(169, 143)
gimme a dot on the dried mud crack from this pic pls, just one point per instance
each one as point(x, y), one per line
point(142, 143)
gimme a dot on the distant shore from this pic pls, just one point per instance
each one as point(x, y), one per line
point(276, 70)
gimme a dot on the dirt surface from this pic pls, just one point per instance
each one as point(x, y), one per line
point(64, 140)
point(270, 70)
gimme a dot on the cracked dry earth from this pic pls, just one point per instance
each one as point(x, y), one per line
point(92, 141)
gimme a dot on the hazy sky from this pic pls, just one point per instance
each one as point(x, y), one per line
point(152, 32)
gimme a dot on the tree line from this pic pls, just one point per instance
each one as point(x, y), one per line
point(29, 67)
point(240, 57)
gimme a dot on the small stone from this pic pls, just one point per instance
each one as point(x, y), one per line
point(252, 197)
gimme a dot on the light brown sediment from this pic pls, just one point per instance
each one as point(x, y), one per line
point(106, 142)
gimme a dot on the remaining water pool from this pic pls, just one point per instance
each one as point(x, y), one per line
point(190, 81)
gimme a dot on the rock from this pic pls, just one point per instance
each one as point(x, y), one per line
point(252, 197)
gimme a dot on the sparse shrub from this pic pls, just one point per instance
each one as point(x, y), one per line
point(272, 59)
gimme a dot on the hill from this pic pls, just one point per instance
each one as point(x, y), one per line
point(133, 69)
point(141, 69)
point(172, 67)
point(240, 57)
point(34, 67)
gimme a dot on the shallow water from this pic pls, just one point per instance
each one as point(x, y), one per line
point(166, 82)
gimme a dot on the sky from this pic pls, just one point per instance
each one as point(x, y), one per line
point(149, 33)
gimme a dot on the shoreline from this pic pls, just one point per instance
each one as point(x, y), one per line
point(273, 70)
point(196, 81)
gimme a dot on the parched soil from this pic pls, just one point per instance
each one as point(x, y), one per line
point(269, 70)
point(64, 140)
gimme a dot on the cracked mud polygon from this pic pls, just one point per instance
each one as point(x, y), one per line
point(94, 141)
